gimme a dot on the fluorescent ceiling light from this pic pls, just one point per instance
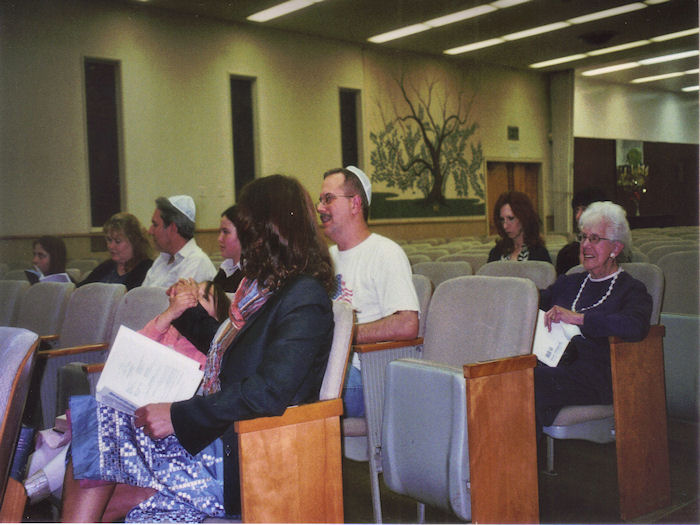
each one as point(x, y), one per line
point(654, 78)
point(556, 61)
point(664, 76)
point(473, 47)
point(461, 15)
point(398, 33)
point(551, 27)
point(669, 58)
point(610, 69)
point(502, 4)
point(690, 88)
point(440, 21)
point(615, 49)
point(671, 36)
point(607, 13)
point(654, 2)
point(535, 31)
point(280, 10)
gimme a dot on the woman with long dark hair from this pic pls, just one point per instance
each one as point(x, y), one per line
point(518, 226)
point(271, 353)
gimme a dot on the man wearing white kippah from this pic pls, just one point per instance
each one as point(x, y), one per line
point(172, 230)
point(372, 272)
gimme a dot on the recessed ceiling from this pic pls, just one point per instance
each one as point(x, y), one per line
point(357, 20)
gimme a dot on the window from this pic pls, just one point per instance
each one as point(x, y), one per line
point(102, 110)
point(243, 132)
point(349, 126)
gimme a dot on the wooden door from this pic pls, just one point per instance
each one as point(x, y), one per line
point(510, 176)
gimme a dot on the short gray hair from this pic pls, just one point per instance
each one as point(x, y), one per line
point(170, 214)
point(615, 219)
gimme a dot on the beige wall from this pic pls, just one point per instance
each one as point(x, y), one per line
point(614, 111)
point(176, 112)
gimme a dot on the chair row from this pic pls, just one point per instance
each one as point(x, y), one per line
point(66, 317)
point(459, 330)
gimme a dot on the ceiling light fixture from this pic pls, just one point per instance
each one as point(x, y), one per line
point(671, 36)
point(669, 58)
point(654, 78)
point(535, 31)
point(690, 88)
point(555, 61)
point(610, 69)
point(614, 49)
point(440, 21)
point(461, 15)
point(473, 47)
point(280, 10)
point(398, 33)
point(607, 13)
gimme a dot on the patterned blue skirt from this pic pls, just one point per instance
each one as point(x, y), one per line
point(107, 446)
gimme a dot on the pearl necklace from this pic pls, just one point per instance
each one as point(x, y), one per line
point(602, 300)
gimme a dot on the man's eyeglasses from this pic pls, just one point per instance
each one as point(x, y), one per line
point(327, 198)
point(592, 238)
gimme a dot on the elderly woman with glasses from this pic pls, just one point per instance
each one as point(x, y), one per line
point(602, 301)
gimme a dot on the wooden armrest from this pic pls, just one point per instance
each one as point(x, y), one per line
point(292, 416)
point(386, 345)
point(46, 354)
point(93, 368)
point(48, 338)
point(500, 366)
point(657, 330)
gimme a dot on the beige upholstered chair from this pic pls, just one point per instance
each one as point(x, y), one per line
point(17, 351)
point(541, 273)
point(11, 293)
point(43, 307)
point(362, 436)
point(136, 307)
point(88, 320)
point(439, 271)
point(459, 424)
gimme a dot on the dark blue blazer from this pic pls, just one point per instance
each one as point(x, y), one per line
point(277, 359)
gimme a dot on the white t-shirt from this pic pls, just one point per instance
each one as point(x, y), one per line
point(190, 262)
point(375, 277)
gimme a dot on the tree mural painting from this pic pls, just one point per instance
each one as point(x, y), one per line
point(425, 142)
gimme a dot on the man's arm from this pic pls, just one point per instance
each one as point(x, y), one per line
point(395, 327)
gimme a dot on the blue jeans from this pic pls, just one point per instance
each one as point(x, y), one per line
point(353, 399)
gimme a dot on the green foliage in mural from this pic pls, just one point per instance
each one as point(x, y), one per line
point(425, 144)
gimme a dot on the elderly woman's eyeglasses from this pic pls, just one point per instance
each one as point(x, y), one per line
point(327, 198)
point(592, 238)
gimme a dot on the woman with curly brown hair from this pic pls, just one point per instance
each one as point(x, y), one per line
point(269, 354)
point(518, 226)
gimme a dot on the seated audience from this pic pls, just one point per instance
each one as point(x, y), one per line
point(603, 300)
point(567, 257)
point(229, 275)
point(172, 229)
point(269, 354)
point(49, 260)
point(518, 226)
point(129, 252)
